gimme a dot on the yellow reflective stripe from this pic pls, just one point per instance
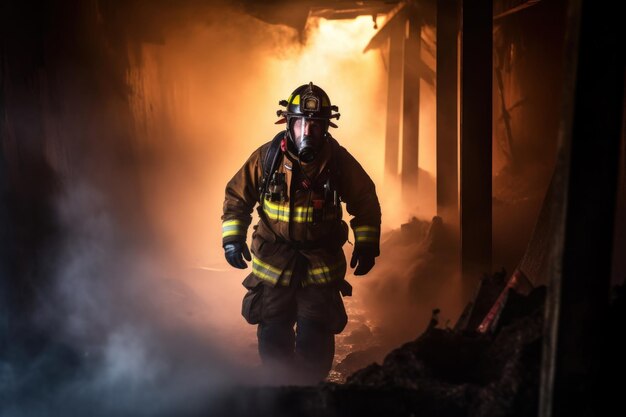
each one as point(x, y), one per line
point(325, 273)
point(366, 233)
point(267, 266)
point(235, 222)
point(233, 228)
point(233, 233)
point(324, 270)
point(266, 271)
point(305, 214)
point(276, 211)
point(359, 229)
point(301, 214)
point(296, 100)
point(319, 280)
point(264, 276)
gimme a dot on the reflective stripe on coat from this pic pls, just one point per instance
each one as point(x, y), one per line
point(292, 226)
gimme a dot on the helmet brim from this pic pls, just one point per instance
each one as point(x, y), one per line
point(283, 120)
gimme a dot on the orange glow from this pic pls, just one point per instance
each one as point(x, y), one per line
point(206, 99)
point(333, 58)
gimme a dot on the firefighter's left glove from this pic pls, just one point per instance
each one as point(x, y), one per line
point(235, 252)
point(365, 259)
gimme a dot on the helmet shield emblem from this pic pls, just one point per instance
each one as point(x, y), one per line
point(311, 104)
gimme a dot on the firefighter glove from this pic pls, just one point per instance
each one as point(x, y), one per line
point(365, 259)
point(235, 252)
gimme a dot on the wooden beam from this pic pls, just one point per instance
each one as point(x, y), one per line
point(394, 100)
point(476, 142)
point(447, 101)
point(411, 106)
point(574, 342)
point(619, 246)
point(502, 8)
point(395, 17)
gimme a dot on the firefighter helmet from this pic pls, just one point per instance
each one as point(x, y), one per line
point(311, 102)
point(308, 113)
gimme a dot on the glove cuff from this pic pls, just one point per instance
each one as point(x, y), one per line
point(364, 249)
point(233, 240)
point(366, 238)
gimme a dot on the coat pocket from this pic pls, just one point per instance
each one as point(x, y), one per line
point(252, 304)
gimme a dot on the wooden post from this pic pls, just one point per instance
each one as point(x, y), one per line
point(394, 99)
point(447, 86)
point(580, 253)
point(476, 117)
point(411, 106)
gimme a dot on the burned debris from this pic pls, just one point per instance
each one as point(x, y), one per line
point(472, 373)
point(444, 372)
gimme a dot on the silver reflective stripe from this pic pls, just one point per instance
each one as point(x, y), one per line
point(233, 228)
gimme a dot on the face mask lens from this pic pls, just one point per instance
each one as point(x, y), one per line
point(308, 136)
point(298, 129)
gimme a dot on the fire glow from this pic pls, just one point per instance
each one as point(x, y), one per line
point(206, 98)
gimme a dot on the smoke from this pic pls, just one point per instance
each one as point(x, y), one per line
point(416, 273)
point(128, 337)
point(214, 107)
point(146, 111)
point(140, 310)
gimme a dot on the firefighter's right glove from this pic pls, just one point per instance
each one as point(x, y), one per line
point(365, 259)
point(235, 252)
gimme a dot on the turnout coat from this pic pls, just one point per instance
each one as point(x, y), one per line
point(308, 220)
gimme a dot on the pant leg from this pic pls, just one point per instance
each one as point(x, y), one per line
point(315, 350)
point(275, 332)
point(276, 341)
point(320, 313)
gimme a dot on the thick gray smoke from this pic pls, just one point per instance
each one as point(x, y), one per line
point(143, 111)
point(140, 311)
point(131, 338)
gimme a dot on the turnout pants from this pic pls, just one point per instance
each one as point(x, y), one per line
point(316, 311)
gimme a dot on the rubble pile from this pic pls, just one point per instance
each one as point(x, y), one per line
point(469, 373)
point(442, 373)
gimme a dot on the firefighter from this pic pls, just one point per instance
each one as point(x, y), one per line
point(299, 180)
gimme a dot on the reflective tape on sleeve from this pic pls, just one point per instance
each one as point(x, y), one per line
point(233, 228)
point(363, 234)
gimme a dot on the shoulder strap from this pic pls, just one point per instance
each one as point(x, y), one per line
point(335, 170)
point(270, 162)
point(336, 164)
